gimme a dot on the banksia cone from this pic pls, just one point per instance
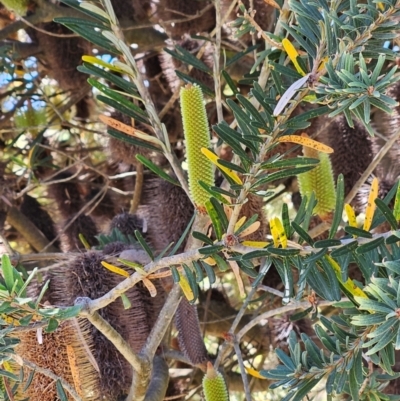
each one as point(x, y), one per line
point(197, 136)
point(320, 181)
point(189, 333)
point(214, 385)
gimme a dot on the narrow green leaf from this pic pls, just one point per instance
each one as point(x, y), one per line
point(132, 140)
point(358, 231)
point(52, 325)
point(186, 57)
point(295, 161)
point(215, 219)
point(343, 250)
point(143, 244)
point(387, 213)
point(210, 250)
point(369, 246)
point(175, 274)
point(256, 254)
point(283, 252)
point(221, 214)
point(181, 238)
point(8, 272)
point(302, 233)
point(198, 271)
point(230, 82)
point(60, 391)
point(209, 271)
point(221, 263)
point(337, 217)
point(327, 243)
point(202, 237)
point(192, 282)
point(157, 170)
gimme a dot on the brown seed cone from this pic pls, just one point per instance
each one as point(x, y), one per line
point(128, 223)
point(352, 150)
point(64, 353)
point(181, 9)
point(69, 200)
point(167, 211)
point(33, 210)
point(60, 56)
point(189, 333)
point(86, 277)
point(386, 125)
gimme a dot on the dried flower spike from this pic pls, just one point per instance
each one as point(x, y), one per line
point(214, 385)
point(197, 136)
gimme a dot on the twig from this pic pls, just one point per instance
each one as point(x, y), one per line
point(28, 230)
point(216, 56)
point(48, 373)
point(238, 353)
point(279, 311)
point(137, 194)
point(263, 270)
point(111, 334)
point(152, 267)
point(166, 315)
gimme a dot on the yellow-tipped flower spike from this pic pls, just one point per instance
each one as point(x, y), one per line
point(320, 181)
point(214, 385)
point(197, 136)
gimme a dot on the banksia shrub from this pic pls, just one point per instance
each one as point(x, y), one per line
point(214, 385)
point(197, 136)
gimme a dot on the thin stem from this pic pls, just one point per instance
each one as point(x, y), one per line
point(284, 309)
point(111, 334)
point(246, 386)
point(217, 55)
point(138, 188)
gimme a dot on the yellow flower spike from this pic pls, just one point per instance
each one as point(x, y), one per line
point(214, 159)
point(214, 385)
point(349, 284)
point(185, 286)
point(293, 54)
point(307, 142)
point(255, 244)
point(278, 232)
point(369, 212)
point(250, 230)
point(351, 216)
point(197, 136)
point(320, 181)
point(239, 223)
point(98, 61)
point(115, 269)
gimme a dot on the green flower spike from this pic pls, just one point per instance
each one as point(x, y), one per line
point(197, 136)
point(214, 386)
point(20, 7)
point(320, 181)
